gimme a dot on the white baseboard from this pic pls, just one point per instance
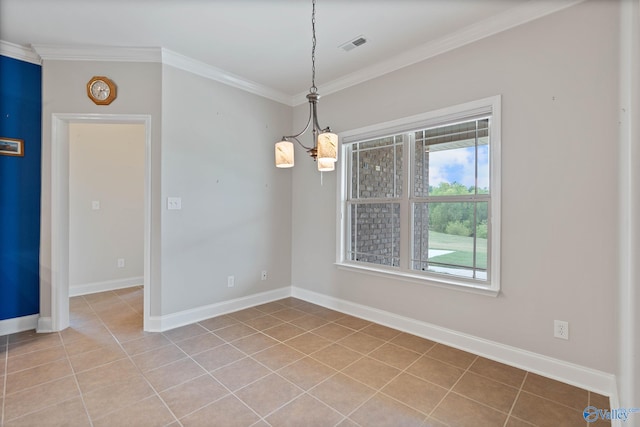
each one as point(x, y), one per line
point(18, 324)
point(566, 372)
point(108, 285)
point(45, 324)
point(186, 317)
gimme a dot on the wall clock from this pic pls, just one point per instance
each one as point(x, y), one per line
point(101, 90)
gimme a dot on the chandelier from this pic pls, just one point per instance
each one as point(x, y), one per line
point(325, 146)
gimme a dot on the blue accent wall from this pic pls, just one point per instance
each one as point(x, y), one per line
point(20, 118)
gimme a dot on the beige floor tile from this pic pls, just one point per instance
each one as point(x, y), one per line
point(546, 413)
point(284, 331)
point(70, 413)
point(452, 356)
point(288, 314)
point(116, 396)
point(270, 307)
point(304, 411)
point(484, 390)
point(199, 343)
point(144, 344)
point(88, 343)
point(360, 342)
point(36, 398)
point(326, 313)
point(23, 345)
point(382, 411)
point(394, 355)
point(331, 369)
point(219, 322)
point(149, 413)
point(185, 332)
point(371, 372)
point(336, 356)
point(158, 357)
point(342, 393)
point(227, 412)
point(352, 322)
point(564, 394)
point(218, 357)
point(25, 336)
point(333, 331)
point(517, 422)
point(414, 392)
point(33, 359)
point(413, 343)
point(106, 375)
point(92, 359)
point(435, 371)
point(460, 411)
point(498, 372)
point(382, 332)
point(308, 343)
point(233, 332)
point(21, 380)
point(193, 395)
point(309, 322)
point(240, 373)
point(306, 373)
point(263, 322)
point(278, 356)
point(254, 343)
point(246, 314)
point(174, 373)
point(268, 394)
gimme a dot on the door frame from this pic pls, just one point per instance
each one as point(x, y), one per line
point(60, 210)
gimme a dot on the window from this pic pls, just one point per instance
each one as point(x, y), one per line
point(421, 197)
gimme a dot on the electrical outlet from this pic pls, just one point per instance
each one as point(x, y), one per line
point(264, 275)
point(231, 282)
point(120, 262)
point(561, 329)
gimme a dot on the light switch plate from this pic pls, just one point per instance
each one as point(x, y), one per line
point(174, 203)
point(95, 205)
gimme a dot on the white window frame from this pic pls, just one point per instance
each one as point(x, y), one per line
point(488, 106)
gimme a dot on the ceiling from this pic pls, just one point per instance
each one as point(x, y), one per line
point(268, 42)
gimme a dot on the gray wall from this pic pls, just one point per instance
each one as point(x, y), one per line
point(64, 91)
point(558, 77)
point(106, 164)
point(217, 151)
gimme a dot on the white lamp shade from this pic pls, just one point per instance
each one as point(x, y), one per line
point(328, 147)
point(284, 154)
point(326, 165)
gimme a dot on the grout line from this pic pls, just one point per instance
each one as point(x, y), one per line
point(136, 367)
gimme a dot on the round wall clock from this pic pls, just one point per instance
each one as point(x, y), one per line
point(101, 90)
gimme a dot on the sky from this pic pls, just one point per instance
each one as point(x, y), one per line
point(458, 165)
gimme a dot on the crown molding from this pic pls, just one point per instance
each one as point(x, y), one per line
point(21, 53)
point(208, 71)
point(514, 17)
point(518, 15)
point(97, 53)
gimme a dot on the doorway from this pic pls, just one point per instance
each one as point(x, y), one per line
point(60, 168)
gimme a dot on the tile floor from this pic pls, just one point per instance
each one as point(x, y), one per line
point(285, 363)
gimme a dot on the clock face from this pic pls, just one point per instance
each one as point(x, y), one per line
point(100, 90)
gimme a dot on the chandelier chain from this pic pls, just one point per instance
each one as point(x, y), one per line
point(313, 88)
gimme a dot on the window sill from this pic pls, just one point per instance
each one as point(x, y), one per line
point(456, 285)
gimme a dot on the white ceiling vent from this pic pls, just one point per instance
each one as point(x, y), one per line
point(350, 45)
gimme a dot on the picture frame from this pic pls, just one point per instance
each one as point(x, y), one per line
point(11, 147)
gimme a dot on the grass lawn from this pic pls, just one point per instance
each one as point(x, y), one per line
point(462, 248)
